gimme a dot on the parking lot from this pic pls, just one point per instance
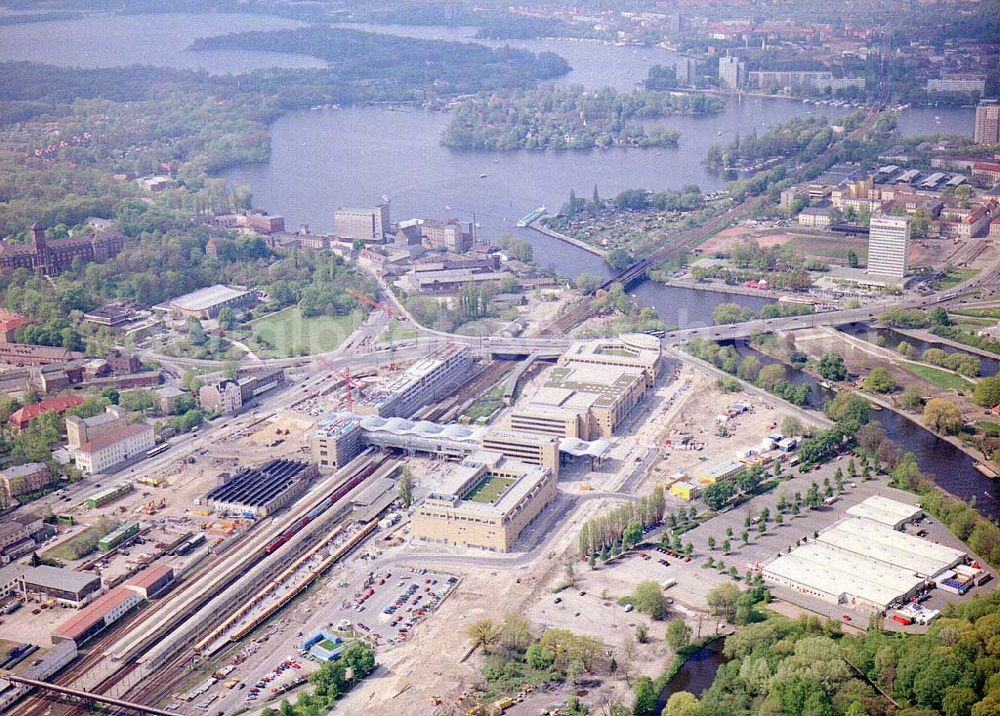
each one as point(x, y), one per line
point(389, 603)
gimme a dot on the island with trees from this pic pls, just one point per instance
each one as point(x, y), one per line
point(569, 118)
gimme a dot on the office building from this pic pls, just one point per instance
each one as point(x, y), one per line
point(592, 390)
point(485, 503)
point(987, 123)
point(425, 382)
point(731, 72)
point(114, 448)
point(23, 479)
point(888, 245)
point(792, 79)
point(368, 225)
point(686, 69)
point(230, 396)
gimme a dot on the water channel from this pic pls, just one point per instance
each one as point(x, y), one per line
point(350, 157)
point(697, 673)
point(950, 468)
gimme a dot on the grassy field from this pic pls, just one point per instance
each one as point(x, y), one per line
point(397, 331)
point(489, 490)
point(328, 645)
point(988, 427)
point(978, 312)
point(287, 332)
point(953, 277)
point(81, 544)
point(829, 248)
point(940, 378)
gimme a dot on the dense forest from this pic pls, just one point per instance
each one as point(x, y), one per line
point(784, 666)
point(400, 67)
point(568, 118)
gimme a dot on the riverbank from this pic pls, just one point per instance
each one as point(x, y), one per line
point(720, 288)
point(928, 337)
point(552, 234)
point(886, 405)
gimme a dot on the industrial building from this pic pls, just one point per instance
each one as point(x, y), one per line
point(103, 611)
point(423, 383)
point(863, 562)
point(485, 503)
point(66, 586)
point(262, 491)
point(151, 581)
point(891, 513)
point(205, 303)
point(592, 389)
point(368, 225)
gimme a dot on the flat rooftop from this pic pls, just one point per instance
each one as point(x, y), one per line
point(205, 298)
point(884, 511)
point(820, 568)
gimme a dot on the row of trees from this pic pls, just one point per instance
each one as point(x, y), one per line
point(623, 526)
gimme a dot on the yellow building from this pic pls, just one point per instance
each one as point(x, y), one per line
point(720, 471)
point(485, 503)
point(684, 490)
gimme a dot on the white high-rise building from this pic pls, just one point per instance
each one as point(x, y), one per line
point(888, 245)
point(731, 72)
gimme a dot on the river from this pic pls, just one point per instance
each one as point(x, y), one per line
point(949, 467)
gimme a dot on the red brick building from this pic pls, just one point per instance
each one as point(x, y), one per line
point(21, 418)
point(52, 257)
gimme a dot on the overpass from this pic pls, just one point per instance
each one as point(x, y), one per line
point(85, 696)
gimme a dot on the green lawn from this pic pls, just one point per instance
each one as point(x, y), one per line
point(988, 427)
point(940, 378)
point(328, 645)
point(397, 331)
point(287, 332)
point(978, 312)
point(490, 489)
point(954, 277)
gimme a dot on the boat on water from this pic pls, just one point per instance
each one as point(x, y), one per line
point(483, 176)
point(531, 217)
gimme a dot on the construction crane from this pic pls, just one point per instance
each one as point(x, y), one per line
point(371, 302)
point(349, 381)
